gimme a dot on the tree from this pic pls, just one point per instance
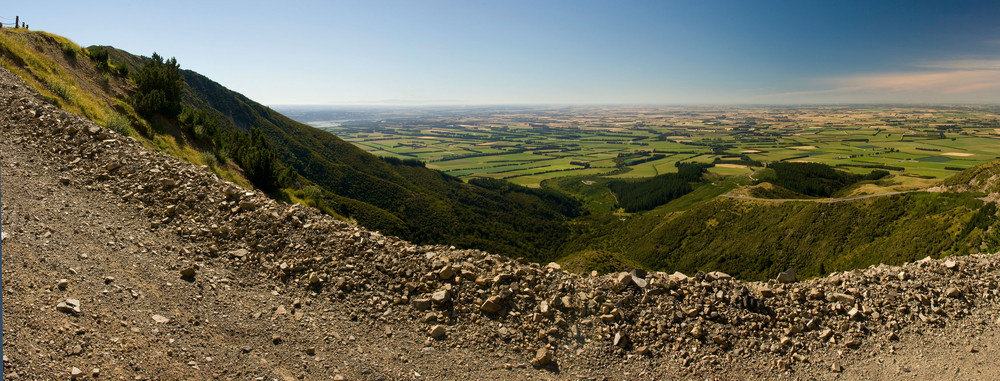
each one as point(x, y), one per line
point(160, 87)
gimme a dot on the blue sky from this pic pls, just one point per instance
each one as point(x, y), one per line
point(564, 52)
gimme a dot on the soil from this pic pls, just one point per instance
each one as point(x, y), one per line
point(121, 263)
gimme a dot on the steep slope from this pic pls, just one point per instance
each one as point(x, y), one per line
point(429, 205)
point(141, 266)
point(397, 198)
point(757, 239)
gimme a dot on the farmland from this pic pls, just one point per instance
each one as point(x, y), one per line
point(918, 145)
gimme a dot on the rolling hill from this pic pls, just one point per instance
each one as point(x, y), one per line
point(234, 135)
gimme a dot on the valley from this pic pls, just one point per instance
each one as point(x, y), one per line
point(530, 145)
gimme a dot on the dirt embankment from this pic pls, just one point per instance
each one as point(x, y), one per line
point(121, 263)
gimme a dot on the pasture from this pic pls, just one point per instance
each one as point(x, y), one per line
point(916, 144)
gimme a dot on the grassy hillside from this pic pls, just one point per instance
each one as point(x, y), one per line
point(698, 230)
point(247, 142)
point(757, 239)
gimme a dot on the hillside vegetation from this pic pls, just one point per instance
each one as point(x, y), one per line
point(665, 221)
point(758, 239)
point(248, 143)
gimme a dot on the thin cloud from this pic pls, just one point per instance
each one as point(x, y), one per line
point(963, 65)
point(940, 81)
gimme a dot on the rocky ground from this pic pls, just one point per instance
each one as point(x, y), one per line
point(122, 263)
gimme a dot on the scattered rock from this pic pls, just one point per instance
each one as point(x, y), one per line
point(621, 340)
point(446, 273)
point(854, 314)
point(161, 319)
point(422, 304)
point(766, 292)
point(542, 358)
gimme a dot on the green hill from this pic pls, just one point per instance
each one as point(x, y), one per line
point(247, 142)
point(194, 118)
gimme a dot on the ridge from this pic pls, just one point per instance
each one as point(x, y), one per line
point(123, 262)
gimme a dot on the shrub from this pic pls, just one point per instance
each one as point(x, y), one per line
point(68, 49)
point(121, 70)
point(210, 160)
point(60, 89)
point(99, 55)
point(119, 123)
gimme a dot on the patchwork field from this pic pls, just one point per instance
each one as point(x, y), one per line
point(529, 146)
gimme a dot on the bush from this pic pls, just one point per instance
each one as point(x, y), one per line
point(119, 123)
point(209, 159)
point(99, 55)
point(121, 70)
point(68, 49)
point(60, 89)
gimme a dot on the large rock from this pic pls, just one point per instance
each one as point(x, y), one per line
point(542, 358)
point(847, 300)
point(437, 331)
point(446, 273)
point(490, 306)
point(441, 297)
point(70, 306)
point(189, 272)
point(787, 276)
point(422, 304)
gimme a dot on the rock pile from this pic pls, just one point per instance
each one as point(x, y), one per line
point(473, 299)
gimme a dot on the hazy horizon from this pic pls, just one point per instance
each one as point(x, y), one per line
point(557, 53)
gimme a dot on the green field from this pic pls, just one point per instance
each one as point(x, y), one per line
point(917, 144)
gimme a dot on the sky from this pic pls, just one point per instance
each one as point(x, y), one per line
point(557, 52)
